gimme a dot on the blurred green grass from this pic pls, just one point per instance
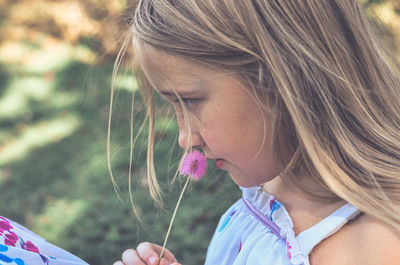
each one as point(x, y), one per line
point(54, 97)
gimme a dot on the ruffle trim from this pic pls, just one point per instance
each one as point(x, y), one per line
point(276, 212)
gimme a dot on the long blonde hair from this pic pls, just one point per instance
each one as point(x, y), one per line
point(318, 64)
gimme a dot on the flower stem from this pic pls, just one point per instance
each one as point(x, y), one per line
point(173, 216)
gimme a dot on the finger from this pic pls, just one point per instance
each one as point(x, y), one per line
point(131, 257)
point(164, 262)
point(118, 263)
point(168, 255)
point(147, 250)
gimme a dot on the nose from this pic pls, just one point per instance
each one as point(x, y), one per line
point(188, 138)
point(184, 138)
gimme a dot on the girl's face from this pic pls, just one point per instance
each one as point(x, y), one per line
point(224, 119)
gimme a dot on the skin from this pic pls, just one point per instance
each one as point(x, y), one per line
point(147, 254)
point(227, 125)
point(225, 122)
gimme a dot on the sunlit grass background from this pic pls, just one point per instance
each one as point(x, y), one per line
point(56, 60)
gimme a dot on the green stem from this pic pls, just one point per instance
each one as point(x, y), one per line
point(173, 217)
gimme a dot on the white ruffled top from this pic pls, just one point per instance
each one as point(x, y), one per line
point(257, 230)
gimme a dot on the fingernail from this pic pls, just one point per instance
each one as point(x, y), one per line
point(152, 260)
point(164, 262)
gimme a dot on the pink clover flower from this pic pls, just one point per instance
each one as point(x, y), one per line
point(194, 164)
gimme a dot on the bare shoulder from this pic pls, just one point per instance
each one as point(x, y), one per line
point(378, 241)
point(362, 241)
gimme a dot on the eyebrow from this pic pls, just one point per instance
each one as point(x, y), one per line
point(168, 94)
point(189, 89)
point(174, 94)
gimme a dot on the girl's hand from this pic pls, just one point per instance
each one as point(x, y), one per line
point(147, 254)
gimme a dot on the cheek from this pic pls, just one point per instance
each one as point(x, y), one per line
point(233, 128)
point(236, 140)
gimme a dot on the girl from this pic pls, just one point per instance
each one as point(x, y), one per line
point(298, 101)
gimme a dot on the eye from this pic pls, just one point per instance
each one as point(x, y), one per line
point(188, 102)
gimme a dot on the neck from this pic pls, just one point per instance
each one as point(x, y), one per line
point(304, 212)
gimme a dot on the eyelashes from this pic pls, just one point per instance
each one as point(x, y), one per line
point(188, 102)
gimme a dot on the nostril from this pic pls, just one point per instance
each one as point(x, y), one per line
point(193, 141)
point(196, 147)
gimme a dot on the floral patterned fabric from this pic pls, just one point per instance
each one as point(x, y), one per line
point(258, 229)
point(21, 246)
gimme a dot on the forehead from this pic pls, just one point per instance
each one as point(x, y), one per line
point(166, 71)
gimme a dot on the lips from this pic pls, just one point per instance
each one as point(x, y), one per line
point(219, 163)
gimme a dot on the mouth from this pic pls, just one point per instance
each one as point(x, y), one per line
point(219, 163)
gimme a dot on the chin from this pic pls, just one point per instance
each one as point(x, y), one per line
point(247, 182)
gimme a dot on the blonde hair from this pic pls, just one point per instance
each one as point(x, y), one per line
point(318, 64)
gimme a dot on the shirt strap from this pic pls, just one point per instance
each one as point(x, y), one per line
point(311, 237)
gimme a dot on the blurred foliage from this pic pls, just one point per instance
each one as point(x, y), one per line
point(385, 14)
point(56, 59)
